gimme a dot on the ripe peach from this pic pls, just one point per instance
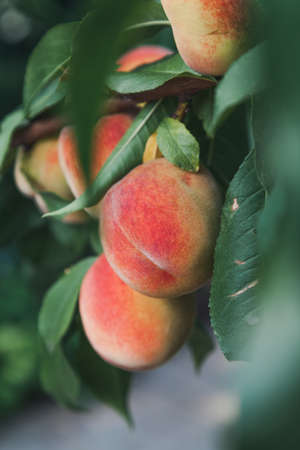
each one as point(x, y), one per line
point(210, 34)
point(159, 226)
point(145, 54)
point(38, 170)
point(126, 328)
point(108, 132)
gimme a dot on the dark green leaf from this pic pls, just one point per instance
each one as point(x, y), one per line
point(95, 51)
point(70, 235)
point(59, 379)
point(233, 305)
point(244, 79)
point(263, 130)
point(9, 125)
point(60, 302)
point(229, 147)
point(95, 238)
point(126, 155)
point(178, 145)
point(15, 210)
point(148, 14)
point(200, 344)
point(19, 301)
point(47, 63)
point(149, 78)
point(107, 383)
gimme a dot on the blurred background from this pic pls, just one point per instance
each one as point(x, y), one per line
point(171, 406)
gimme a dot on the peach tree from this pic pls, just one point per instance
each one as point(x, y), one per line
point(118, 126)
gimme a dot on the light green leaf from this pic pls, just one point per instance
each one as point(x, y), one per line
point(8, 127)
point(47, 63)
point(178, 145)
point(153, 76)
point(59, 304)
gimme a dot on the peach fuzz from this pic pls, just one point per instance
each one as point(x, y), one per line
point(210, 34)
point(159, 226)
point(38, 170)
point(145, 54)
point(108, 132)
point(126, 328)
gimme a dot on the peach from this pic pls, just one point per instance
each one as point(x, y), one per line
point(159, 226)
point(210, 34)
point(145, 54)
point(126, 328)
point(108, 132)
point(38, 170)
point(151, 149)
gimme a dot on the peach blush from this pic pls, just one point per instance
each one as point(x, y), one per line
point(145, 54)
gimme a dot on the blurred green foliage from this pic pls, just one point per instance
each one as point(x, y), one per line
point(33, 252)
point(22, 252)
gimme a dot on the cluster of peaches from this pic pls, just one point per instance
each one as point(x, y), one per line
point(159, 224)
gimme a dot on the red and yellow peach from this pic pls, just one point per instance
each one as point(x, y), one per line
point(159, 226)
point(37, 170)
point(126, 328)
point(210, 34)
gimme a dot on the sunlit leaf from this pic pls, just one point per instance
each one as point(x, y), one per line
point(178, 145)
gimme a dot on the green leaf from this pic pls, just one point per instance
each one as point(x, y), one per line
point(75, 236)
point(59, 379)
point(127, 155)
point(53, 201)
point(23, 211)
point(107, 383)
point(244, 79)
point(47, 63)
point(229, 147)
point(95, 51)
point(178, 145)
point(8, 127)
point(59, 304)
point(234, 306)
point(95, 241)
point(153, 76)
point(148, 14)
point(200, 344)
point(49, 96)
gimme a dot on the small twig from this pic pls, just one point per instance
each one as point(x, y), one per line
point(180, 111)
point(37, 130)
point(211, 153)
point(119, 104)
